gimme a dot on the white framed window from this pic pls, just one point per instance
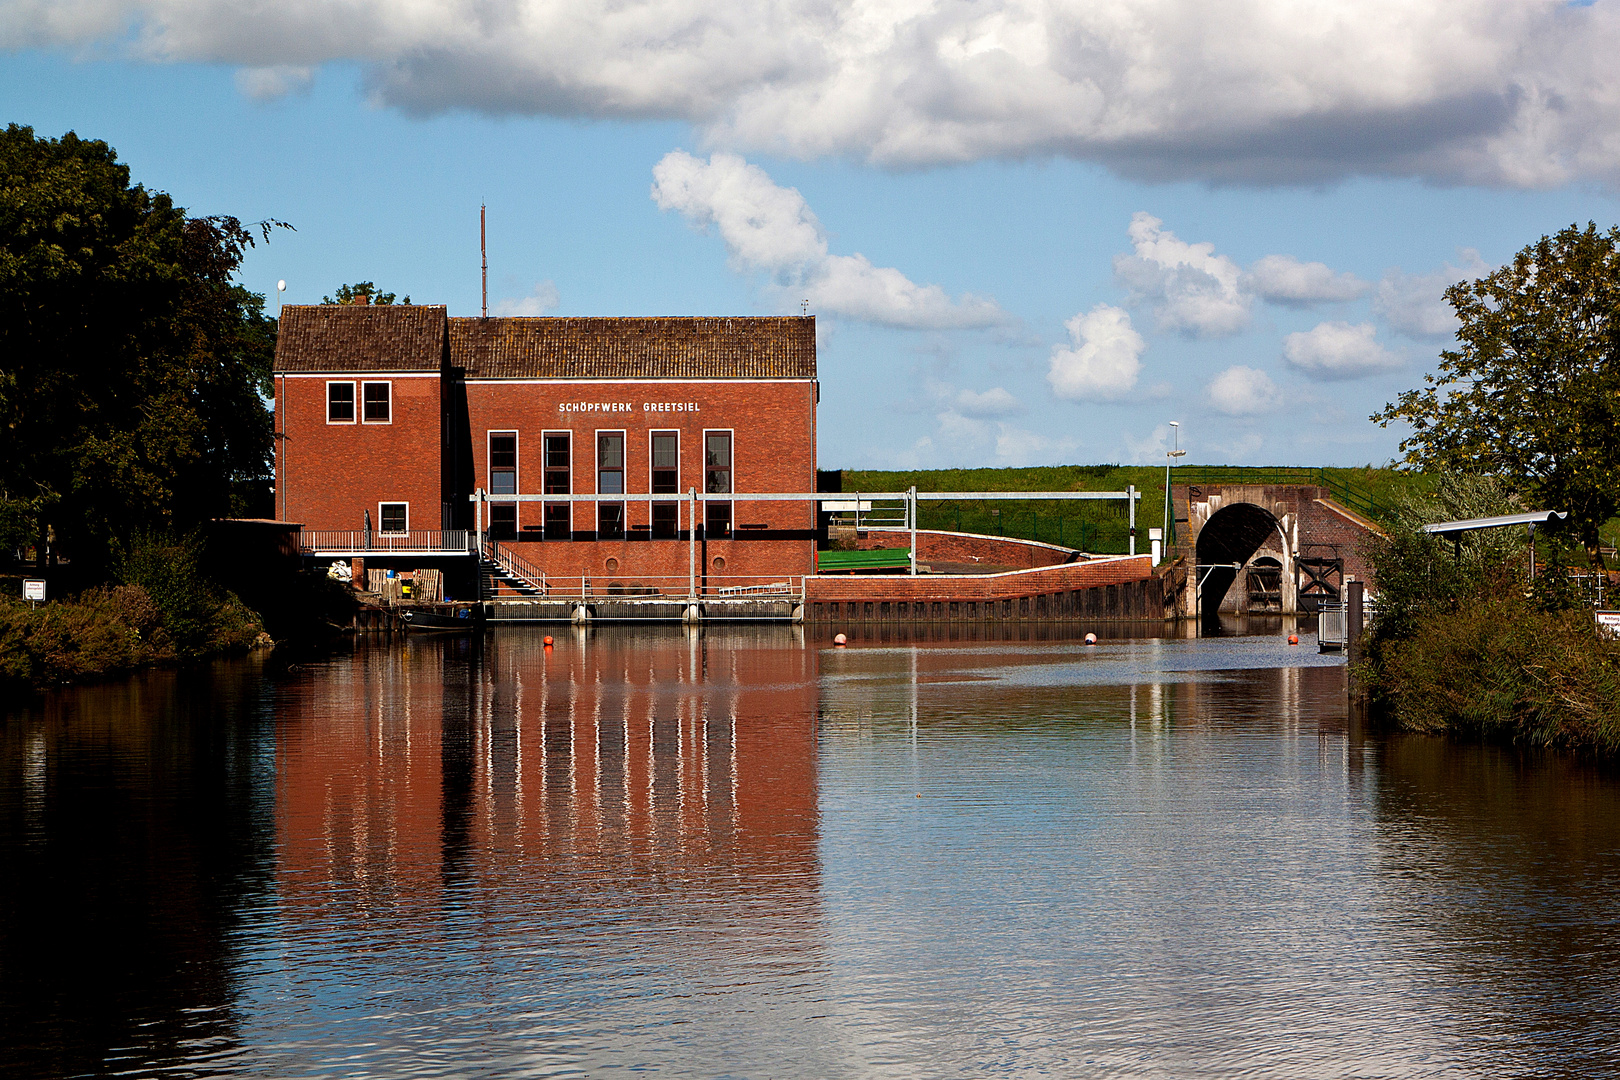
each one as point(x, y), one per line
point(719, 478)
point(665, 462)
point(610, 481)
point(719, 472)
point(610, 463)
point(664, 476)
point(377, 402)
point(340, 403)
point(556, 456)
point(503, 463)
point(557, 452)
point(394, 518)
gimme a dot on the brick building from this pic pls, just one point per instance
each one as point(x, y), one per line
point(388, 418)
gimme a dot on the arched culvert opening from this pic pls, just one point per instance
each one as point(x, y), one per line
point(1231, 536)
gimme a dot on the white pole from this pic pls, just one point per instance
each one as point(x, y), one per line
point(911, 512)
point(691, 546)
point(1130, 499)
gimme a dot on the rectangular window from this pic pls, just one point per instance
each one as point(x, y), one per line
point(340, 403)
point(666, 462)
point(376, 395)
point(395, 517)
point(610, 521)
point(503, 463)
point(717, 462)
point(717, 520)
point(559, 521)
point(503, 521)
point(610, 463)
point(557, 472)
point(666, 521)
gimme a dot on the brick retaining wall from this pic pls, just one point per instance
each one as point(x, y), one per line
point(1119, 588)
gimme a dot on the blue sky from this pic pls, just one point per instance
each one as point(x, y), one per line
point(999, 232)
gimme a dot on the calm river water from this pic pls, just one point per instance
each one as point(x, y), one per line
point(736, 854)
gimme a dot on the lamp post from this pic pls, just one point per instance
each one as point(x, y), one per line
point(1170, 458)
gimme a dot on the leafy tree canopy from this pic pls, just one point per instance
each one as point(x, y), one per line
point(362, 292)
point(133, 371)
point(1532, 393)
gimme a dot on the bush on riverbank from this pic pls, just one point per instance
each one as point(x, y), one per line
point(1464, 644)
point(163, 611)
point(1504, 670)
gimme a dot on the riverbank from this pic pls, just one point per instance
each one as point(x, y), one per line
point(114, 630)
point(1502, 669)
point(164, 608)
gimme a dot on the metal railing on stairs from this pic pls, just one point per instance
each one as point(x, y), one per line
point(516, 566)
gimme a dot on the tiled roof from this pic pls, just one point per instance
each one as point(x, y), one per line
point(360, 337)
point(656, 348)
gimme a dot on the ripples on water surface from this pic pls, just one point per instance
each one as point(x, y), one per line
point(732, 854)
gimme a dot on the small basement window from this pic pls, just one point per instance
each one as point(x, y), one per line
point(377, 402)
point(395, 517)
point(340, 403)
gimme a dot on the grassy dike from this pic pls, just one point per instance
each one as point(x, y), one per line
point(1101, 527)
point(163, 609)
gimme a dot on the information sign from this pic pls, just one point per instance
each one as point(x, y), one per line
point(34, 589)
point(1608, 623)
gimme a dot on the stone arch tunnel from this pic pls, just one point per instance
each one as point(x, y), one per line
point(1266, 549)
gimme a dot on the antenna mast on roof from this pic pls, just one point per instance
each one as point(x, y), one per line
point(483, 255)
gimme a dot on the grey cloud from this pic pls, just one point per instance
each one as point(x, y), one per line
point(1492, 92)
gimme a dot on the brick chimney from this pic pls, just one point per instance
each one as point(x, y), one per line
point(362, 298)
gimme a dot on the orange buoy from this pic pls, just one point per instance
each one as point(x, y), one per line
point(1293, 639)
point(546, 640)
point(1091, 639)
point(840, 640)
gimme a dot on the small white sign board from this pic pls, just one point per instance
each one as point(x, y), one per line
point(34, 589)
point(845, 506)
point(1608, 623)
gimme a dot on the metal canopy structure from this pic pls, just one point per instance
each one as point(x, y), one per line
point(1534, 517)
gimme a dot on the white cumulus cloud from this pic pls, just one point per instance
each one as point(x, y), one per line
point(1102, 360)
point(1338, 350)
point(541, 299)
point(1415, 304)
point(1283, 279)
point(1191, 289)
point(1496, 92)
point(1244, 391)
point(993, 402)
point(274, 82)
point(772, 229)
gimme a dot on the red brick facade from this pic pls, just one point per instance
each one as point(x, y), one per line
point(331, 475)
point(773, 439)
point(442, 386)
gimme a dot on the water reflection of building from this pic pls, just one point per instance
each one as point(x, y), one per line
point(614, 761)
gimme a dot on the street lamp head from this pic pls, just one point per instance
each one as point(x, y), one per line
point(281, 286)
point(1175, 423)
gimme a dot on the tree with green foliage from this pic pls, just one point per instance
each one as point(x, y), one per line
point(362, 292)
point(1532, 393)
point(134, 372)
